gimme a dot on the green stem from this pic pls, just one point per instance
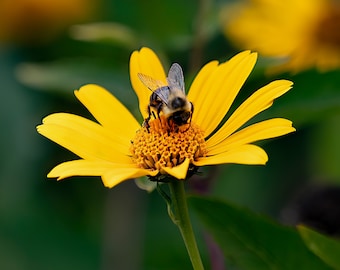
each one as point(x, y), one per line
point(180, 217)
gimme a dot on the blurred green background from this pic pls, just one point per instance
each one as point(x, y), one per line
point(48, 49)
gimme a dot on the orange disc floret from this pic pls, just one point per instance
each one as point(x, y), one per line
point(160, 145)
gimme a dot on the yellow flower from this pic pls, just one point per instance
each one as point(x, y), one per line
point(32, 22)
point(304, 33)
point(118, 148)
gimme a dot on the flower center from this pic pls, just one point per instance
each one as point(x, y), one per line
point(328, 28)
point(162, 146)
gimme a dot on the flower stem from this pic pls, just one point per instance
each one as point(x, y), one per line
point(180, 216)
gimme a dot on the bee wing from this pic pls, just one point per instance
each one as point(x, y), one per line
point(149, 82)
point(175, 77)
point(156, 86)
point(163, 94)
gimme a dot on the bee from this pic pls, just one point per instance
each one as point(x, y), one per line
point(170, 99)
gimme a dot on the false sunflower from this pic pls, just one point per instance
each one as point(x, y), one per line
point(304, 34)
point(118, 147)
point(33, 22)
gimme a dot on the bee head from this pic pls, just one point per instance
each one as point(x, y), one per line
point(180, 117)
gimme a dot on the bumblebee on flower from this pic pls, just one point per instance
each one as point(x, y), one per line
point(169, 99)
point(175, 139)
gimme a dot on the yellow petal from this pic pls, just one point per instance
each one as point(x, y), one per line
point(214, 89)
point(244, 154)
point(83, 167)
point(114, 177)
point(85, 138)
point(108, 111)
point(146, 62)
point(256, 103)
point(195, 92)
point(111, 173)
point(180, 171)
point(259, 131)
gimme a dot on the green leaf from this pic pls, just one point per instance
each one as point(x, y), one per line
point(69, 74)
point(110, 32)
point(324, 149)
point(326, 248)
point(251, 241)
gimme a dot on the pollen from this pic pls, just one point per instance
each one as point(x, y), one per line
point(160, 145)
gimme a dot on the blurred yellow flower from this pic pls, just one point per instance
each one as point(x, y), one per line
point(39, 21)
point(118, 148)
point(305, 33)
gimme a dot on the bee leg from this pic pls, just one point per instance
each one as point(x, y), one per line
point(169, 125)
point(146, 124)
point(192, 112)
point(159, 108)
point(146, 120)
point(154, 116)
